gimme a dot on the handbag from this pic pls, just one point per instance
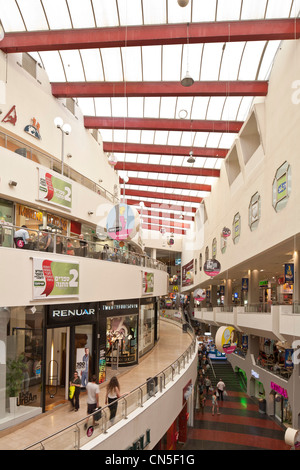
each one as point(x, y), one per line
point(71, 391)
point(98, 414)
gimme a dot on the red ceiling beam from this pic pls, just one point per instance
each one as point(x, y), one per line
point(167, 184)
point(176, 231)
point(166, 215)
point(163, 223)
point(97, 122)
point(160, 205)
point(133, 89)
point(149, 35)
point(122, 147)
point(177, 170)
point(155, 195)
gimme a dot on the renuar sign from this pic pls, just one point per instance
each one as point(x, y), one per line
point(69, 314)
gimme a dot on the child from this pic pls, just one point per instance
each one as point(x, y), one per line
point(215, 403)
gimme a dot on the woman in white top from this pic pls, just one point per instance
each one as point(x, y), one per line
point(112, 394)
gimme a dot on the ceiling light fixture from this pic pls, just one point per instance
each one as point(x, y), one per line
point(183, 3)
point(191, 159)
point(187, 80)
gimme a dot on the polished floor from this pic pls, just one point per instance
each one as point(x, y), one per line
point(173, 342)
point(240, 426)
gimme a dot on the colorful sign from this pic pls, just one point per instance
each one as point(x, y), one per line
point(226, 232)
point(226, 340)
point(282, 391)
point(289, 273)
point(11, 116)
point(54, 189)
point(54, 279)
point(122, 222)
point(33, 129)
point(102, 366)
point(212, 267)
point(188, 274)
point(148, 282)
point(199, 295)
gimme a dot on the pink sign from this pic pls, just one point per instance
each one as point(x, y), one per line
point(278, 389)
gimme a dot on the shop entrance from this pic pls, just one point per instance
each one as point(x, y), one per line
point(57, 370)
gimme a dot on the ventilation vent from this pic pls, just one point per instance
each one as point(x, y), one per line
point(250, 138)
point(29, 64)
point(232, 165)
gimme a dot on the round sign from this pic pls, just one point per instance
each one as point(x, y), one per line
point(226, 232)
point(212, 267)
point(122, 222)
point(226, 339)
point(199, 295)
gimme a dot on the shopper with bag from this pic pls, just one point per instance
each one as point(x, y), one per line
point(220, 388)
point(75, 382)
point(215, 404)
point(93, 399)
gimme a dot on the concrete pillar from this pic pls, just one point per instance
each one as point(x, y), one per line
point(228, 293)
point(253, 292)
point(4, 317)
point(213, 295)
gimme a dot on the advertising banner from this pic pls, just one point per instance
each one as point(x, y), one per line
point(188, 274)
point(289, 273)
point(54, 279)
point(226, 339)
point(54, 189)
point(148, 282)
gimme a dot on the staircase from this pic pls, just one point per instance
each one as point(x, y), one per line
point(223, 370)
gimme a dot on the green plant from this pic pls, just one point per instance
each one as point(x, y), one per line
point(15, 374)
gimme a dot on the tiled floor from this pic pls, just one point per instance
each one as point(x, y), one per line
point(173, 342)
point(239, 426)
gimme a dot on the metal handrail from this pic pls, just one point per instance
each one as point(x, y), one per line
point(106, 408)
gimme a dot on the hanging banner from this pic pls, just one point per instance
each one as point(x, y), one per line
point(199, 295)
point(226, 339)
point(122, 222)
point(148, 283)
point(212, 267)
point(289, 273)
point(54, 190)
point(54, 279)
point(188, 273)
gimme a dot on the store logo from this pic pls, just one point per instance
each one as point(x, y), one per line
point(73, 313)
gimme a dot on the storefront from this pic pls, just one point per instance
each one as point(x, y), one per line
point(70, 345)
point(21, 362)
point(282, 408)
point(119, 327)
point(148, 325)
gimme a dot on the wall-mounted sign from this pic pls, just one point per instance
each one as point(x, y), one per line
point(282, 391)
point(281, 186)
point(122, 222)
point(226, 339)
point(11, 116)
point(214, 248)
point(148, 282)
point(53, 279)
point(254, 211)
point(102, 365)
point(54, 190)
point(245, 283)
point(33, 129)
point(236, 228)
point(212, 267)
point(226, 232)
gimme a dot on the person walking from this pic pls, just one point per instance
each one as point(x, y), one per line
point(202, 401)
point(93, 398)
point(112, 395)
point(215, 404)
point(220, 388)
point(21, 237)
point(207, 383)
point(75, 382)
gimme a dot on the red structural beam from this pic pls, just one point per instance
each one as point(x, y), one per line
point(176, 231)
point(133, 89)
point(168, 169)
point(160, 205)
point(163, 223)
point(167, 184)
point(149, 35)
point(122, 147)
point(166, 215)
point(97, 122)
point(155, 195)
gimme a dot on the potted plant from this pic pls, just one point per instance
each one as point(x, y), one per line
point(14, 378)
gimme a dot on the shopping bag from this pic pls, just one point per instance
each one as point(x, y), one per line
point(71, 391)
point(98, 414)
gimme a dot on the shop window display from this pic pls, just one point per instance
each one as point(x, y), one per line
point(121, 339)
point(146, 329)
point(21, 345)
